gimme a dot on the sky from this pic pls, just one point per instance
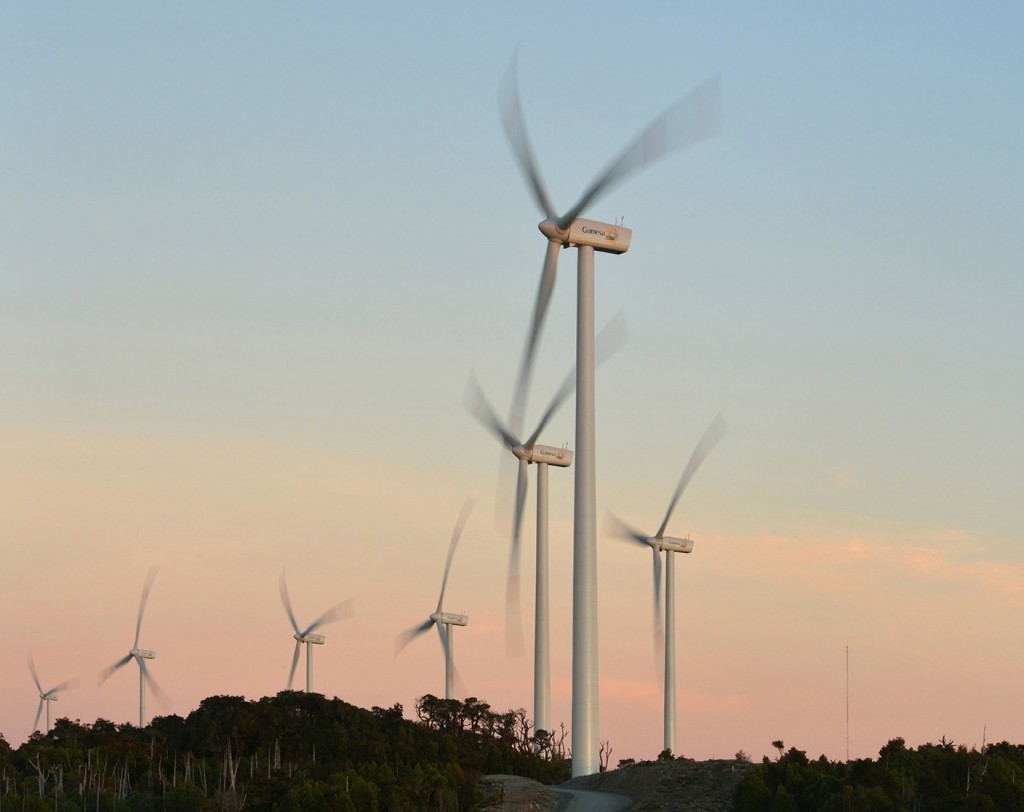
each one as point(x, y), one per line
point(251, 252)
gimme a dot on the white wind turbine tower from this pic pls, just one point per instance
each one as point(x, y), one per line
point(527, 452)
point(46, 697)
point(308, 636)
point(444, 621)
point(658, 542)
point(140, 655)
point(694, 118)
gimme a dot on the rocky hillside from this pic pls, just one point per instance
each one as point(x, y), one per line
point(680, 785)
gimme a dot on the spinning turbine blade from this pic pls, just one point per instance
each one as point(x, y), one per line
point(110, 669)
point(460, 523)
point(283, 588)
point(511, 110)
point(476, 404)
point(610, 340)
point(150, 576)
point(712, 435)
point(618, 527)
point(659, 631)
point(513, 613)
point(549, 271)
point(35, 676)
point(152, 683)
point(340, 612)
point(295, 663)
point(64, 686)
point(696, 117)
point(408, 636)
point(39, 712)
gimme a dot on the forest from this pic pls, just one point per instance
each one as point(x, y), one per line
point(942, 777)
point(298, 751)
point(291, 752)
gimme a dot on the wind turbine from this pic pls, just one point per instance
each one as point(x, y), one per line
point(46, 697)
point(694, 118)
point(340, 612)
point(140, 655)
point(659, 542)
point(527, 452)
point(439, 618)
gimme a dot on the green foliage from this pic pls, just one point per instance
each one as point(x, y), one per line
point(939, 777)
point(289, 753)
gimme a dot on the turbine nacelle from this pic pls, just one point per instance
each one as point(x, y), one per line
point(316, 639)
point(450, 618)
point(144, 653)
point(546, 454)
point(599, 236)
point(671, 545)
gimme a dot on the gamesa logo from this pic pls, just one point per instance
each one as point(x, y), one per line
point(612, 235)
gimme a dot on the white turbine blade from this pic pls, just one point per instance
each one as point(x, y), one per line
point(406, 637)
point(443, 635)
point(295, 663)
point(150, 576)
point(39, 712)
point(282, 586)
point(64, 686)
point(659, 631)
point(342, 611)
point(696, 117)
point(549, 270)
point(610, 340)
point(617, 527)
point(513, 612)
point(511, 111)
point(477, 405)
point(110, 669)
point(708, 441)
point(460, 523)
point(35, 676)
point(151, 683)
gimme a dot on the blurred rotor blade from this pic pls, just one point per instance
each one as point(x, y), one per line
point(517, 412)
point(64, 686)
point(442, 634)
point(695, 117)
point(106, 672)
point(142, 602)
point(513, 618)
point(517, 520)
point(511, 110)
point(659, 629)
point(708, 441)
point(408, 636)
point(39, 712)
point(476, 404)
point(295, 664)
point(610, 340)
point(460, 523)
point(282, 586)
point(341, 611)
point(35, 676)
point(152, 684)
point(617, 527)
point(457, 682)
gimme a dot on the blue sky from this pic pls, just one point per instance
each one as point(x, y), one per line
point(249, 254)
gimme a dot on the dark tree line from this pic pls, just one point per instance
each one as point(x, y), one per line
point(286, 753)
point(939, 777)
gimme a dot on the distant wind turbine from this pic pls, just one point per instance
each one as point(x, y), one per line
point(340, 612)
point(658, 542)
point(46, 697)
point(140, 655)
point(527, 452)
point(439, 618)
